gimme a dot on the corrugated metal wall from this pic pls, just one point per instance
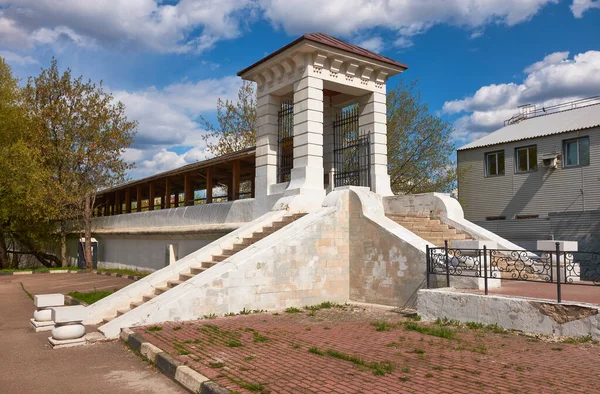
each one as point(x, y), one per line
point(583, 227)
point(536, 193)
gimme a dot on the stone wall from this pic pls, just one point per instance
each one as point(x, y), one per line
point(512, 313)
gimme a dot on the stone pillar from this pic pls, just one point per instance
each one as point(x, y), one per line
point(307, 174)
point(373, 118)
point(328, 144)
point(267, 108)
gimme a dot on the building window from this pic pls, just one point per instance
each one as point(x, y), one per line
point(527, 159)
point(494, 163)
point(577, 152)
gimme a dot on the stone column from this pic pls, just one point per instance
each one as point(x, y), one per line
point(373, 118)
point(328, 144)
point(267, 107)
point(307, 174)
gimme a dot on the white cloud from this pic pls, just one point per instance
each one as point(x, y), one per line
point(579, 7)
point(374, 44)
point(169, 118)
point(406, 18)
point(403, 42)
point(188, 26)
point(476, 34)
point(553, 80)
point(15, 58)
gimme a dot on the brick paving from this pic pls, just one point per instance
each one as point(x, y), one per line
point(232, 352)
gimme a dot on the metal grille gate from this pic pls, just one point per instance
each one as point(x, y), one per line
point(285, 121)
point(352, 150)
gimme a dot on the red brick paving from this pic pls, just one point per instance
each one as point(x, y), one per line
point(473, 362)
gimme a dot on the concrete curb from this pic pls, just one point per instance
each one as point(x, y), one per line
point(38, 272)
point(136, 278)
point(168, 365)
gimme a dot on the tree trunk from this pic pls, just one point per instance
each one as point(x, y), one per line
point(4, 263)
point(87, 226)
point(63, 245)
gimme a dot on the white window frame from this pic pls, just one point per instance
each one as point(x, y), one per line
point(487, 167)
point(529, 169)
point(565, 142)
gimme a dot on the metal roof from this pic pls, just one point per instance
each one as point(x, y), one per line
point(333, 42)
point(555, 123)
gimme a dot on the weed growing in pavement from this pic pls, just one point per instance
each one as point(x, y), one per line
point(481, 349)
point(229, 314)
point(436, 331)
point(417, 351)
point(437, 368)
point(292, 310)
point(177, 328)
point(307, 328)
point(392, 344)
point(558, 349)
point(323, 305)
point(234, 343)
point(214, 364)
point(311, 313)
point(249, 358)
point(211, 316)
point(180, 349)
point(378, 368)
point(154, 328)
point(405, 370)
point(276, 314)
point(259, 338)
point(585, 339)
point(382, 326)
point(448, 322)
point(245, 312)
point(253, 387)
point(295, 345)
point(429, 375)
point(404, 378)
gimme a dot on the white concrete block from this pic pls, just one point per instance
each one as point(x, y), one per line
point(47, 300)
point(472, 244)
point(39, 326)
point(68, 314)
point(564, 246)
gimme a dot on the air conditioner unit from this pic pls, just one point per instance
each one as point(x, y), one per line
point(551, 160)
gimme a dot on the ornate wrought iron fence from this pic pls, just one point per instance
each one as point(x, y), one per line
point(285, 122)
point(557, 267)
point(352, 150)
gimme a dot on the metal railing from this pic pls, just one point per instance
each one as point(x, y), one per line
point(556, 267)
point(531, 111)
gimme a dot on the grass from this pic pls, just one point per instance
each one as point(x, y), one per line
point(91, 296)
point(379, 368)
point(180, 349)
point(26, 292)
point(323, 305)
point(154, 328)
point(293, 310)
point(126, 272)
point(584, 339)
point(234, 343)
point(259, 338)
point(382, 326)
point(436, 331)
point(211, 316)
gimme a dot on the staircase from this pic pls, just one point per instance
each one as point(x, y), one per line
point(431, 230)
point(216, 259)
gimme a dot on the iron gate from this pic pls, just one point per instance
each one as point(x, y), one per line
point(352, 150)
point(285, 122)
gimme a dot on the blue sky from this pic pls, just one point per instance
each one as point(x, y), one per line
point(169, 61)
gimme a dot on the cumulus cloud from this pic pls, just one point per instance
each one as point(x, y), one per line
point(14, 58)
point(553, 80)
point(579, 7)
point(374, 44)
point(406, 18)
point(169, 118)
point(187, 26)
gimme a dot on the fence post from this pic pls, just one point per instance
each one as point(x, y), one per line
point(447, 264)
point(485, 268)
point(427, 264)
point(558, 290)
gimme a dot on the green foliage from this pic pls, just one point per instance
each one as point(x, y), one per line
point(234, 343)
point(379, 368)
point(292, 310)
point(154, 328)
point(323, 305)
point(419, 144)
point(236, 123)
point(91, 296)
point(383, 326)
point(436, 331)
point(259, 338)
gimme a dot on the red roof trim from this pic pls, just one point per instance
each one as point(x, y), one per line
point(333, 42)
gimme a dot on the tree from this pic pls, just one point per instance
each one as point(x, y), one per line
point(84, 134)
point(419, 144)
point(236, 129)
point(26, 201)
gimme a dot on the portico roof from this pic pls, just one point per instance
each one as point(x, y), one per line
point(332, 42)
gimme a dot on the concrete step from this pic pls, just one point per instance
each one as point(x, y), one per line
point(238, 247)
point(220, 258)
point(173, 283)
point(160, 290)
point(148, 297)
point(108, 319)
point(122, 311)
point(134, 305)
point(246, 242)
point(184, 277)
point(197, 270)
point(228, 252)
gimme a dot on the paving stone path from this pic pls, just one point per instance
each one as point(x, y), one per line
point(336, 351)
